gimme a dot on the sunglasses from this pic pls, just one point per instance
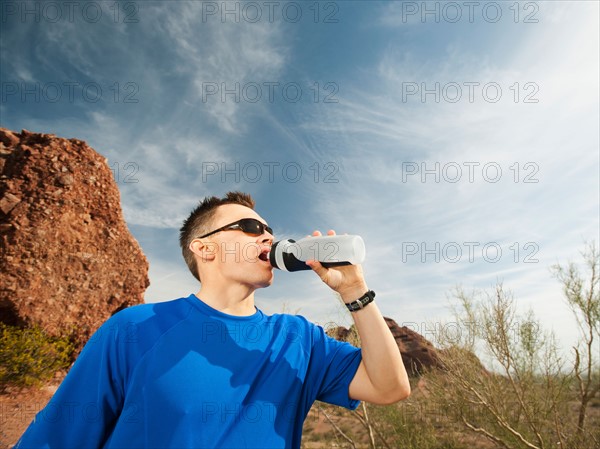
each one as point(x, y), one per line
point(247, 225)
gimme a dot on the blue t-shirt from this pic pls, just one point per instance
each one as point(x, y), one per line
point(181, 374)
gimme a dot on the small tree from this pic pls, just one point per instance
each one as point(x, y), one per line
point(583, 297)
point(411, 424)
point(525, 399)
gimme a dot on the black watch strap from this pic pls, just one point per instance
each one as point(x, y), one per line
point(361, 302)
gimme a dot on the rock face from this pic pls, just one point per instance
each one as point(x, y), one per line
point(418, 354)
point(67, 259)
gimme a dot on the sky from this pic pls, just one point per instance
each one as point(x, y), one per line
point(459, 139)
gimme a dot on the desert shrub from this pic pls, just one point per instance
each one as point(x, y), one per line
point(28, 356)
point(504, 381)
point(413, 424)
point(528, 395)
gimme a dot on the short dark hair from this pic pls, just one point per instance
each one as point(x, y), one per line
point(200, 220)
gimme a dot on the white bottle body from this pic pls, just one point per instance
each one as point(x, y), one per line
point(330, 250)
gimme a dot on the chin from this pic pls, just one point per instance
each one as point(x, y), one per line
point(266, 283)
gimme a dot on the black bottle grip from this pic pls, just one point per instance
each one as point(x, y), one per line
point(334, 264)
point(293, 264)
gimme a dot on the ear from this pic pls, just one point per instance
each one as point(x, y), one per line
point(206, 251)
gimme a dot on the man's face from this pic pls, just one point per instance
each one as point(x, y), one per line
point(240, 257)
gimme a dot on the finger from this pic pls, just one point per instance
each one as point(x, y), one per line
point(331, 232)
point(316, 234)
point(317, 268)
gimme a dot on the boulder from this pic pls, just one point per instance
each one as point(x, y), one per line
point(67, 260)
point(418, 354)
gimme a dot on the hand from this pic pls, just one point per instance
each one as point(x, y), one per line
point(347, 280)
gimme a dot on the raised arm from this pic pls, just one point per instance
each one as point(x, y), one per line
point(381, 377)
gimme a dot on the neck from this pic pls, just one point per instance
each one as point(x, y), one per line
point(235, 300)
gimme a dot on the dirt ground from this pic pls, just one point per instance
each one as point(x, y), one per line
point(18, 407)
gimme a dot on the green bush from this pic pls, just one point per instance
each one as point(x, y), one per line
point(29, 356)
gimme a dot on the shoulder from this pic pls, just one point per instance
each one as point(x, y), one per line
point(141, 312)
point(149, 317)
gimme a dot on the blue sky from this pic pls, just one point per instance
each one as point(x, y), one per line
point(427, 128)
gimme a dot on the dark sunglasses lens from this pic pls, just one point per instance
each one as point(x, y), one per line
point(252, 226)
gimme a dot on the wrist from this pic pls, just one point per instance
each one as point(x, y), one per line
point(353, 293)
point(361, 302)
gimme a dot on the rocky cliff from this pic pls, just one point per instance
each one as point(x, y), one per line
point(418, 354)
point(67, 259)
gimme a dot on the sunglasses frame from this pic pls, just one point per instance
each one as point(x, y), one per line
point(236, 225)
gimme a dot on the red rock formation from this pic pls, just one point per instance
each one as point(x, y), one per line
point(67, 259)
point(418, 354)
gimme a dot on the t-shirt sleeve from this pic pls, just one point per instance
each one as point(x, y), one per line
point(84, 408)
point(333, 366)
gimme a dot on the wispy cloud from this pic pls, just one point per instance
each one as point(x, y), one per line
point(383, 128)
point(377, 126)
point(222, 55)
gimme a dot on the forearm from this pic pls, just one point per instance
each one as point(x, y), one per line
point(381, 377)
point(381, 356)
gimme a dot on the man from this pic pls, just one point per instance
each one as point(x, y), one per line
point(211, 370)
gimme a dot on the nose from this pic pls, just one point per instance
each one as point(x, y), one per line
point(268, 238)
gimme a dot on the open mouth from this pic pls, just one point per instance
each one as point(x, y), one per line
point(264, 256)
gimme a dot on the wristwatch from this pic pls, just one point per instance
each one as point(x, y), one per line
point(361, 302)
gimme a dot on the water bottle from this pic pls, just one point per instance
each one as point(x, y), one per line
point(330, 250)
